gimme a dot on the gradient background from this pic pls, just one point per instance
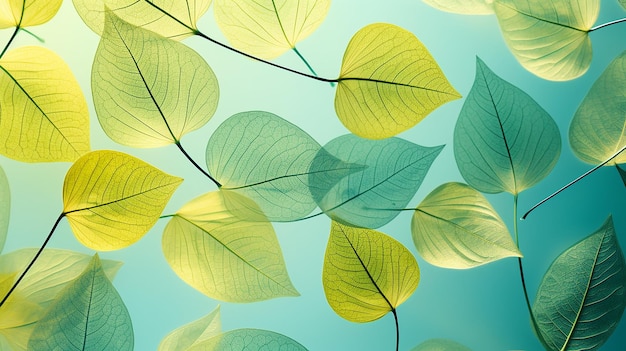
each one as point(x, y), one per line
point(482, 308)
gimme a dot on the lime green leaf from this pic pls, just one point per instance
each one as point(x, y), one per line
point(143, 102)
point(112, 199)
point(268, 28)
point(366, 273)
point(89, 314)
point(549, 38)
point(223, 256)
point(623, 3)
point(456, 227)
point(196, 332)
point(583, 294)
point(249, 339)
point(440, 345)
point(598, 128)
point(394, 170)
point(44, 114)
point(26, 13)
point(388, 83)
point(464, 7)
point(503, 140)
point(5, 207)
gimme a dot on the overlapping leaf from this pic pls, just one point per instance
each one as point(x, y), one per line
point(622, 173)
point(149, 91)
point(440, 345)
point(196, 332)
point(249, 339)
point(388, 83)
point(503, 140)
point(26, 13)
point(5, 207)
point(464, 7)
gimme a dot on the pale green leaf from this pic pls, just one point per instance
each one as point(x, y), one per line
point(88, 314)
point(388, 83)
point(456, 227)
point(464, 7)
point(5, 207)
point(440, 345)
point(146, 102)
point(26, 13)
point(549, 38)
point(224, 256)
point(503, 140)
point(249, 339)
point(582, 296)
point(623, 3)
point(598, 129)
point(366, 273)
point(43, 113)
point(112, 199)
point(196, 332)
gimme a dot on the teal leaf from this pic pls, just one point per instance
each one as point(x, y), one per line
point(440, 345)
point(249, 339)
point(622, 173)
point(5, 207)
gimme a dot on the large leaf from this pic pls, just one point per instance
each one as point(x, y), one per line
point(146, 102)
point(549, 38)
point(372, 197)
point(464, 7)
point(598, 129)
point(248, 339)
point(26, 13)
point(43, 113)
point(196, 332)
point(582, 296)
point(89, 314)
point(503, 140)
point(224, 256)
point(5, 207)
point(268, 28)
point(440, 345)
point(456, 227)
point(388, 83)
point(366, 273)
point(112, 199)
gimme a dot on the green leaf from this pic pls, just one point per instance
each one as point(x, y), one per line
point(268, 28)
point(464, 7)
point(43, 115)
point(196, 332)
point(366, 273)
point(143, 102)
point(223, 256)
point(598, 129)
point(549, 38)
point(5, 207)
point(27, 13)
point(388, 83)
point(249, 339)
point(395, 168)
point(456, 227)
point(89, 314)
point(503, 140)
point(112, 199)
point(440, 345)
point(622, 173)
point(623, 3)
point(582, 295)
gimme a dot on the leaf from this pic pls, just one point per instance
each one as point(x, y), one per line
point(503, 140)
point(5, 207)
point(43, 113)
point(388, 83)
point(268, 28)
point(622, 173)
point(582, 295)
point(366, 273)
point(224, 256)
point(549, 38)
point(623, 3)
point(393, 171)
point(27, 13)
point(143, 102)
point(196, 332)
point(249, 339)
point(598, 129)
point(464, 7)
point(456, 227)
point(89, 314)
point(112, 199)
point(440, 345)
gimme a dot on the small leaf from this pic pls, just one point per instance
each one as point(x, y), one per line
point(623, 3)
point(456, 227)
point(27, 13)
point(223, 256)
point(366, 273)
point(249, 339)
point(503, 140)
point(622, 173)
point(5, 207)
point(196, 332)
point(440, 345)
point(582, 296)
point(388, 83)
point(144, 102)
point(464, 7)
point(112, 199)
point(89, 314)
point(44, 114)
point(598, 129)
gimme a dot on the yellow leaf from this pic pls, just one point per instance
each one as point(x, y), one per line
point(194, 333)
point(26, 13)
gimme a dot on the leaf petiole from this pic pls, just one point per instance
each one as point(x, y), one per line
point(40, 39)
point(332, 84)
point(607, 24)
point(6, 47)
point(180, 147)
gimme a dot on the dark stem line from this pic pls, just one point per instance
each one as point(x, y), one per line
point(395, 317)
point(167, 216)
point(607, 24)
point(180, 147)
point(34, 259)
point(6, 47)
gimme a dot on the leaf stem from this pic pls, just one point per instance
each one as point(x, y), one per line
point(607, 24)
point(167, 216)
point(395, 317)
point(332, 84)
point(40, 39)
point(6, 47)
point(180, 147)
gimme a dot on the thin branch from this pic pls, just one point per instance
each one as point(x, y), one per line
point(6, 47)
point(180, 147)
point(607, 24)
point(395, 316)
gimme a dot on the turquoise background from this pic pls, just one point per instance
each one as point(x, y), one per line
point(482, 308)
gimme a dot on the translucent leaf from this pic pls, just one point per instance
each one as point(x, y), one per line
point(371, 198)
point(582, 296)
point(196, 332)
point(146, 102)
point(388, 83)
point(623, 3)
point(456, 227)
point(268, 28)
point(598, 129)
point(224, 256)
point(5, 207)
point(89, 314)
point(622, 173)
point(503, 140)
point(464, 7)
point(26, 13)
point(112, 199)
point(440, 345)
point(43, 115)
point(549, 38)
point(249, 339)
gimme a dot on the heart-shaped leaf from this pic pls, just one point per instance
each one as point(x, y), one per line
point(196, 332)
point(249, 339)
point(5, 207)
point(440, 345)
point(464, 7)
point(26, 13)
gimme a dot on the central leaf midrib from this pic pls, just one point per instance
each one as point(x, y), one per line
point(542, 19)
point(293, 175)
point(93, 277)
point(340, 79)
point(280, 23)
